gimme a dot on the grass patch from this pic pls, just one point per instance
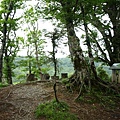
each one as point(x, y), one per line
point(3, 85)
point(65, 81)
point(106, 99)
point(54, 111)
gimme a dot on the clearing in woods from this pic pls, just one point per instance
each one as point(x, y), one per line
point(18, 102)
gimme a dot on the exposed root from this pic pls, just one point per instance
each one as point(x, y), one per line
point(86, 84)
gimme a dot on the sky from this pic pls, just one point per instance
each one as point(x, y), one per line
point(48, 47)
point(43, 24)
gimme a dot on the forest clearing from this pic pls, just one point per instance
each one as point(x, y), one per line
point(18, 102)
point(86, 33)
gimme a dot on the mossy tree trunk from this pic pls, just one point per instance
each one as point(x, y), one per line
point(76, 52)
point(81, 75)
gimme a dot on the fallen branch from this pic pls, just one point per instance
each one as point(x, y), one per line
point(8, 95)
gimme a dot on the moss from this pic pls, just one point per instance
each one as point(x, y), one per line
point(54, 111)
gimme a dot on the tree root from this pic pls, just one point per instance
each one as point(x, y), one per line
point(87, 83)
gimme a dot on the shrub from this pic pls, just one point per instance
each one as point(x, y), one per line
point(3, 85)
point(102, 73)
point(65, 80)
point(54, 111)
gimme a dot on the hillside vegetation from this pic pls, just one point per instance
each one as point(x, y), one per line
point(65, 66)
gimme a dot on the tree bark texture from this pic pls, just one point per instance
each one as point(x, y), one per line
point(113, 10)
point(91, 58)
point(8, 68)
point(1, 64)
point(53, 54)
point(76, 52)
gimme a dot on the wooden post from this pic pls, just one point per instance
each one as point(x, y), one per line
point(64, 75)
point(55, 77)
point(114, 78)
point(30, 77)
point(115, 72)
point(119, 76)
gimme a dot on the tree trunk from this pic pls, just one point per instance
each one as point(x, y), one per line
point(76, 53)
point(111, 34)
point(37, 57)
point(3, 47)
point(8, 67)
point(29, 66)
point(1, 64)
point(55, 91)
point(29, 60)
point(53, 54)
point(81, 74)
point(91, 58)
point(9, 71)
point(6, 16)
point(113, 10)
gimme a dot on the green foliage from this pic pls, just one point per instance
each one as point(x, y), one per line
point(20, 82)
point(54, 111)
point(21, 67)
point(102, 73)
point(9, 24)
point(65, 80)
point(106, 99)
point(3, 85)
point(67, 84)
point(65, 66)
point(33, 43)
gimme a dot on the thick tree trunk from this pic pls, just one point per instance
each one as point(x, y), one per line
point(113, 10)
point(76, 53)
point(81, 75)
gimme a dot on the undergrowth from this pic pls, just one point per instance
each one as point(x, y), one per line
point(106, 99)
point(3, 85)
point(54, 111)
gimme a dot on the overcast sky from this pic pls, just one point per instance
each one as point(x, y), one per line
point(43, 24)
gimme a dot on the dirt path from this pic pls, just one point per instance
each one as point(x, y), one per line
point(19, 102)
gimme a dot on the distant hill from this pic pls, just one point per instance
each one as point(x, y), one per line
point(65, 66)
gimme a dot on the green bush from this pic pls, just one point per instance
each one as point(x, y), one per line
point(54, 111)
point(102, 73)
point(3, 85)
point(105, 99)
point(65, 80)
